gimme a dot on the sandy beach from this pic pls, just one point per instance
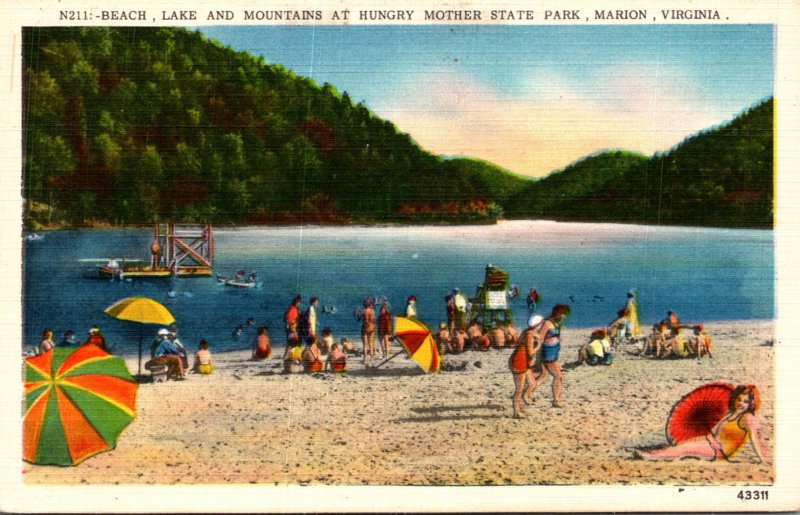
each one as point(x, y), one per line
point(249, 423)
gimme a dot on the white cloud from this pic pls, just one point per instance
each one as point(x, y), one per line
point(555, 121)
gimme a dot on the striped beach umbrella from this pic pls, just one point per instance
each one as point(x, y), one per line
point(78, 401)
point(418, 343)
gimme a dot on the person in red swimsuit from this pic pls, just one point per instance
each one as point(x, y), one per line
point(520, 364)
point(312, 356)
point(730, 435)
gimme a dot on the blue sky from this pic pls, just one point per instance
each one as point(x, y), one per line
point(531, 98)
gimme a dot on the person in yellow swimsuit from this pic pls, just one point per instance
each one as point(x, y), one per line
point(738, 427)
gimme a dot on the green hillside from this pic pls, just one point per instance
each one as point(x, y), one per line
point(130, 126)
point(719, 177)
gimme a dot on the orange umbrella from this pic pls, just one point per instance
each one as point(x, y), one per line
point(78, 401)
point(418, 343)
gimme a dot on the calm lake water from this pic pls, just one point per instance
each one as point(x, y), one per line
point(703, 274)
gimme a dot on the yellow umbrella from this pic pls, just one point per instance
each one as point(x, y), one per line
point(143, 310)
point(418, 343)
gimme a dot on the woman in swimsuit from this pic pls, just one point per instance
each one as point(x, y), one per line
point(728, 436)
point(312, 357)
point(368, 330)
point(549, 333)
point(520, 364)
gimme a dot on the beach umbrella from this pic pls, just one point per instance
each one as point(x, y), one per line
point(142, 310)
point(698, 411)
point(417, 341)
point(78, 401)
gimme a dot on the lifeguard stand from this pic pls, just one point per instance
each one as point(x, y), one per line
point(491, 299)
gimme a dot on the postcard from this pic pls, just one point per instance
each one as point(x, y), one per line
point(399, 256)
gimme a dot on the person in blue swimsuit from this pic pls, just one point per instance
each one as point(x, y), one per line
point(549, 333)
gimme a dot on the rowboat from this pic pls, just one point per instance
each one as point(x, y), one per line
point(238, 282)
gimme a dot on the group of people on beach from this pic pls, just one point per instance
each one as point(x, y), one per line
point(68, 339)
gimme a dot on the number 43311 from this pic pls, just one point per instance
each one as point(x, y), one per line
point(753, 495)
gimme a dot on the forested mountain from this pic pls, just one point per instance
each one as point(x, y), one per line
point(719, 177)
point(135, 125)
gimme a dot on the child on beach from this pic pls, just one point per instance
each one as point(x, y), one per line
point(261, 346)
point(202, 359)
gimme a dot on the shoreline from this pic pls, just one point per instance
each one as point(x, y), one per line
point(250, 423)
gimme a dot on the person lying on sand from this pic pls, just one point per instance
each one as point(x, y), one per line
point(738, 427)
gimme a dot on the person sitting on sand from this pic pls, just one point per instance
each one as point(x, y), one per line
point(549, 333)
point(202, 359)
point(497, 336)
point(385, 330)
point(521, 363)
point(348, 346)
point(477, 340)
point(700, 341)
point(312, 357)
point(457, 341)
point(326, 343)
point(167, 353)
point(261, 345)
point(337, 359)
point(293, 356)
point(97, 338)
point(597, 350)
point(738, 427)
point(442, 338)
point(653, 342)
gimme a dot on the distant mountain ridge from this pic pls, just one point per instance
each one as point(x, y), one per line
point(130, 126)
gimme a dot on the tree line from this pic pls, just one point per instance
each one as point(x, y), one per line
point(129, 126)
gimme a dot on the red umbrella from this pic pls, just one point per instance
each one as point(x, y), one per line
point(698, 411)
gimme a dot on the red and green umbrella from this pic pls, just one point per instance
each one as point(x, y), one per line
point(78, 401)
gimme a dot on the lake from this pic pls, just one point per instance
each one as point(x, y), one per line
point(703, 274)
